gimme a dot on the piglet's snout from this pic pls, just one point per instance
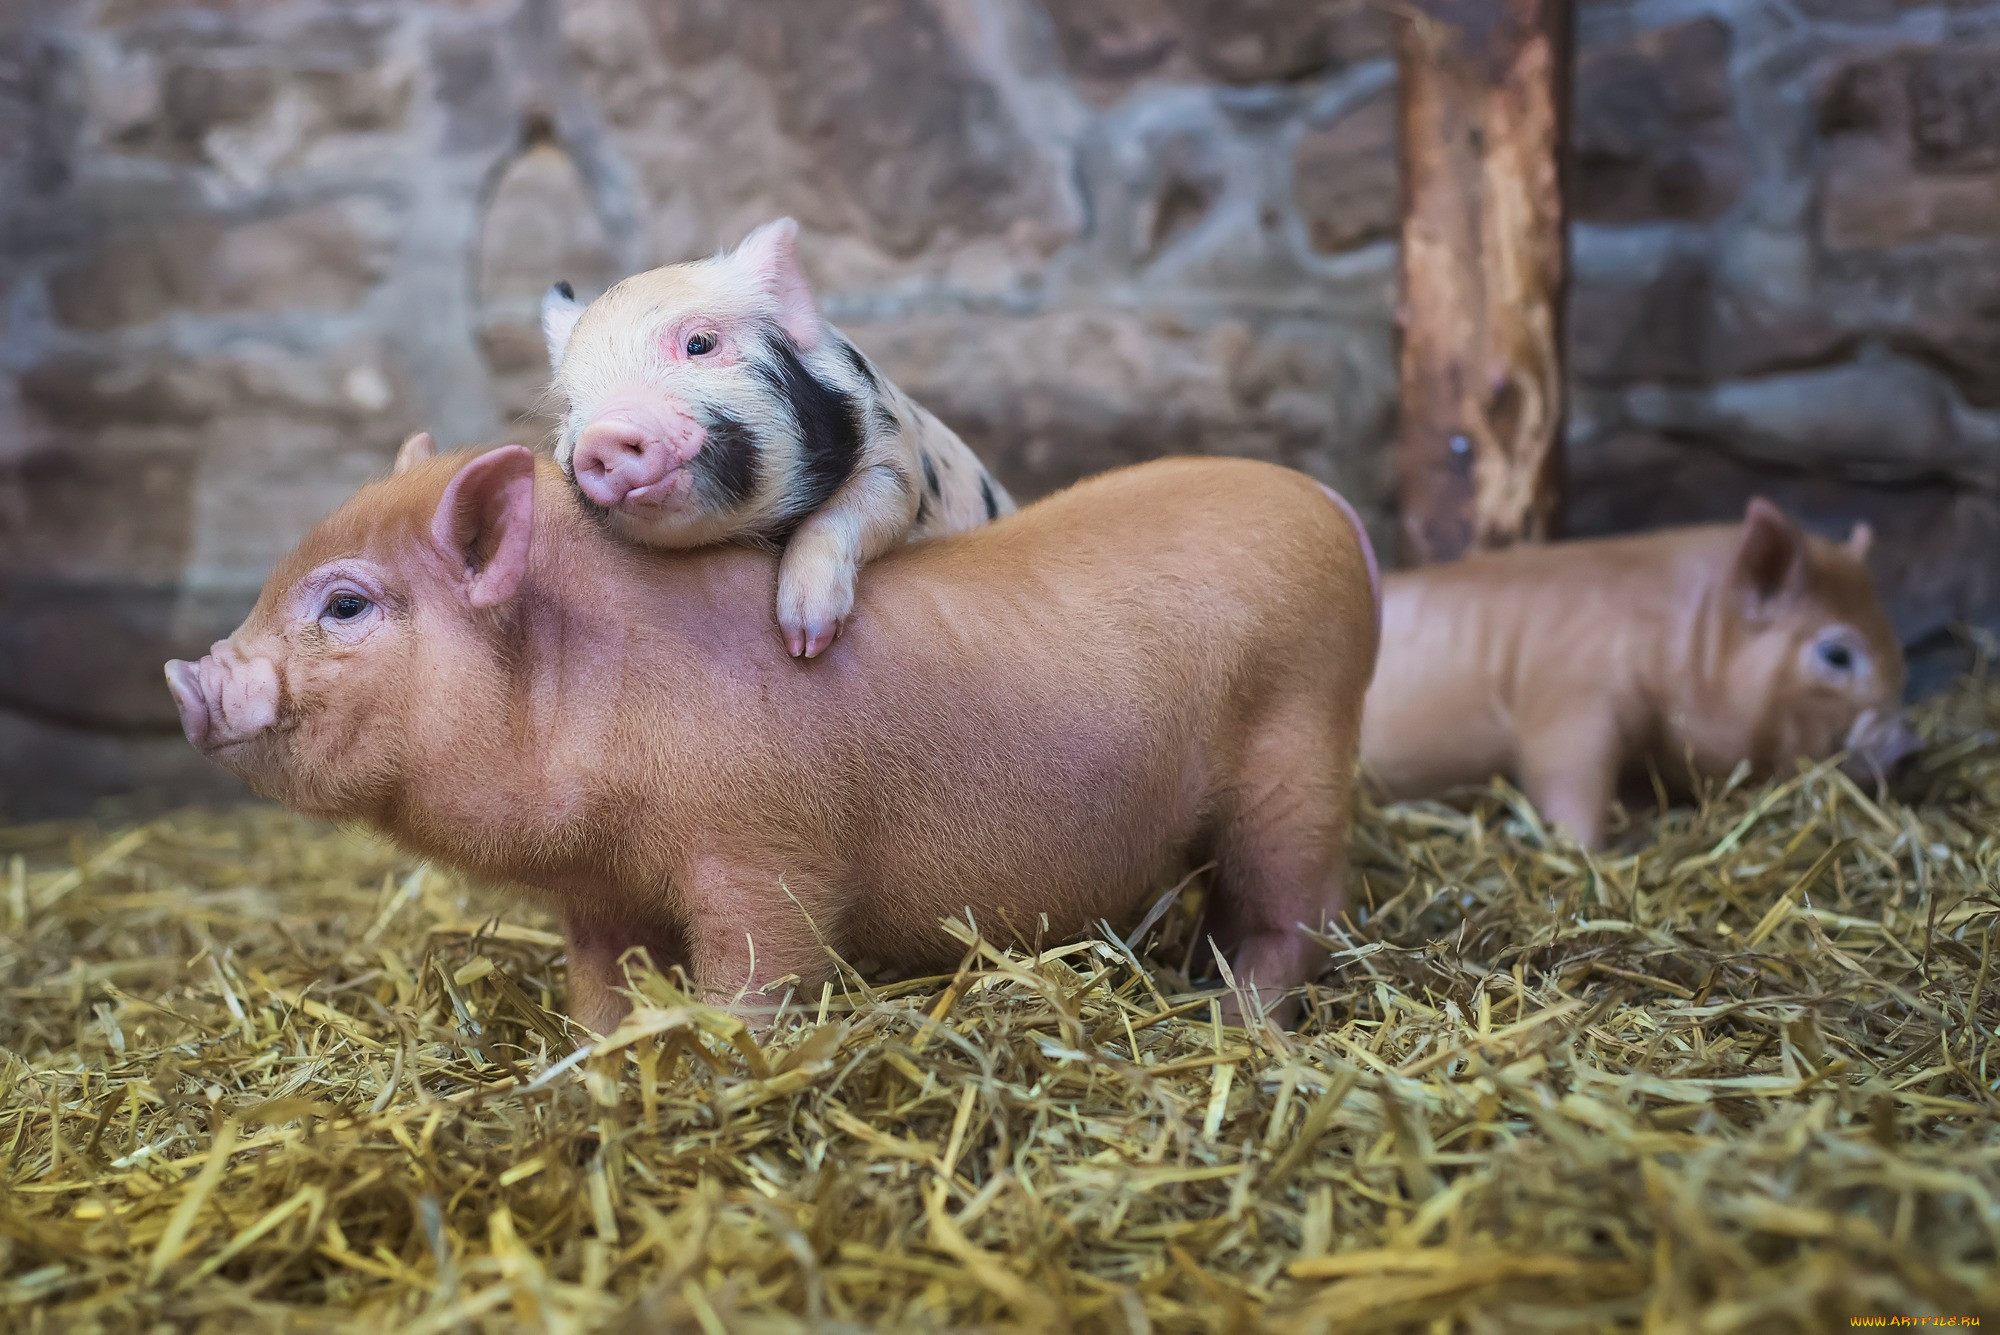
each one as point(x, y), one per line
point(225, 698)
point(1877, 746)
point(184, 682)
point(631, 453)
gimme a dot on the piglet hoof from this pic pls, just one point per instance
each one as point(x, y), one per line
point(812, 641)
point(812, 621)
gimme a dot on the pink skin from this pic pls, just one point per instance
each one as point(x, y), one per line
point(634, 453)
point(1367, 550)
point(225, 699)
point(813, 642)
point(1877, 745)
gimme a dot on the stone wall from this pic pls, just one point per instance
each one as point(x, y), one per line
point(246, 246)
point(1787, 278)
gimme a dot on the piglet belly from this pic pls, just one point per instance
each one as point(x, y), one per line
point(899, 920)
point(1037, 840)
point(1435, 715)
point(1424, 757)
point(1425, 731)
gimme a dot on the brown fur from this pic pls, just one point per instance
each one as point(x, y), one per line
point(1048, 715)
point(1565, 666)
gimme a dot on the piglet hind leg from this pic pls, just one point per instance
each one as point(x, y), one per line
point(752, 929)
point(1268, 894)
point(1281, 853)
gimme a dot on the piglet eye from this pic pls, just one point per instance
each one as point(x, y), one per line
point(1837, 656)
point(346, 606)
point(700, 345)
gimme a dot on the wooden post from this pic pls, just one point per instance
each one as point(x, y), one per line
point(1484, 110)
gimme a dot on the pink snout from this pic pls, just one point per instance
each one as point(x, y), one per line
point(633, 454)
point(1878, 745)
point(224, 699)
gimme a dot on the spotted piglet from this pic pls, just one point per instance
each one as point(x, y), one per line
point(712, 402)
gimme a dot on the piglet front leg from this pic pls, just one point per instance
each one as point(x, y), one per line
point(597, 944)
point(1570, 757)
point(750, 925)
point(869, 514)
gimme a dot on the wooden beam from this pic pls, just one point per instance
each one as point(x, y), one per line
point(1484, 107)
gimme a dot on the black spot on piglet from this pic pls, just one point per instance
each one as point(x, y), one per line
point(568, 292)
point(858, 362)
point(726, 467)
point(930, 475)
point(829, 422)
point(986, 494)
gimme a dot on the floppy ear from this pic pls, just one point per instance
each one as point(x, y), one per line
point(483, 523)
point(1860, 540)
point(770, 256)
point(560, 312)
point(414, 451)
point(1772, 554)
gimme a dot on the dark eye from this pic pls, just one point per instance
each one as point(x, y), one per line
point(1837, 656)
point(346, 606)
point(700, 345)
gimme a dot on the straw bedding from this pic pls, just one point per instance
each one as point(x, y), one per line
point(1741, 1075)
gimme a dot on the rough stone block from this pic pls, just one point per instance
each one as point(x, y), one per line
point(1955, 108)
point(42, 112)
point(118, 511)
point(1878, 418)
point(199, 98)
point(85, 390)
point(325, 257)
point(541, 225)
point(1112, 42)
point(1939, 304)
point(89, 653)
point(1912, 149)
point(884, 105)
point(1876, 11)
point(253, 89)
point(1052, 398)
point(1681, 308)
point(471, 87)
point(1872, 204)
point(1254, 41)
point(1345, 175)
point(1653, 133)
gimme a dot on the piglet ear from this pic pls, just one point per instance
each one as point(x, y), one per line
point(560, 312)
point(1860, 540)
point(1771, 557)
point(483, 523)
point(414, 451)
point(770, 256)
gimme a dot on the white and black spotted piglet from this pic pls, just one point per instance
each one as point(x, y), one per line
point(711, 402)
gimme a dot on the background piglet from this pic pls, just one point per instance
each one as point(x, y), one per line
point(1043, 718)
point(710, 401)
point(1566, 666)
